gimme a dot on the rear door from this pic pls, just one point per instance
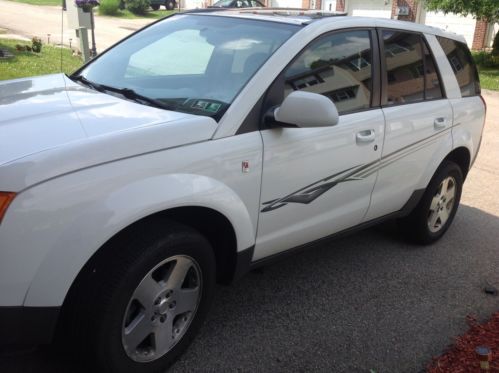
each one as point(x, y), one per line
point(418, 120)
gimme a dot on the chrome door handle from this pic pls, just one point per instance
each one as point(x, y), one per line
point(440, 123)
point(365, 136)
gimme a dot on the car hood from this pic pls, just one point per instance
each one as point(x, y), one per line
point(50, 125)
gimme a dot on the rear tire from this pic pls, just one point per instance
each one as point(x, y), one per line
point(145, 305)
point(433, 215)
point(155, 6)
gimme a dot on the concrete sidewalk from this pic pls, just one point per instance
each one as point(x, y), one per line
point(32, 20)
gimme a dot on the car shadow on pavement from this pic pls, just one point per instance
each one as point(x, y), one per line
point(367, 301)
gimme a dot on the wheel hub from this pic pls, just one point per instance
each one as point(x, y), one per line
point(442, 204)
point(161, 308)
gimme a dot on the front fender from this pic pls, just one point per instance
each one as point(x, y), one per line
point(71, 217)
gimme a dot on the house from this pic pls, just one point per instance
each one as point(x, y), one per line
point(478, 34)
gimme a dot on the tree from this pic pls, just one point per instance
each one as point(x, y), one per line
point(487, 10)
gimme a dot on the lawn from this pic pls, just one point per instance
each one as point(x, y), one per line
point(40, 2)
point(29, 64)
point(153, 14)
point(489, 78)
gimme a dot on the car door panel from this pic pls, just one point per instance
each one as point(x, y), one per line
point(316, 181)
point(418, 121)
point(412, 142)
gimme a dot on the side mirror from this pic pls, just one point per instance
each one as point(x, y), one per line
point(306, 109)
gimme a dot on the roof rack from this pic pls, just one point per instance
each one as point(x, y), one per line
point(292, 12)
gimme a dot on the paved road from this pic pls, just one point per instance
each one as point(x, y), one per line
point(369, 301)
point(29, 20)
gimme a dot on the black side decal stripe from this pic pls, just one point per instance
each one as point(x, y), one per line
point(313, 191)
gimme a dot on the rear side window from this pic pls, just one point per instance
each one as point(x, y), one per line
point(410, 68)
point(338, 66)
point(463, 66)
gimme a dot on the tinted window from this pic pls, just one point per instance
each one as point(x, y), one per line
point(405, 67)
point(337, 66)
point(433, 88)
point(463, 66)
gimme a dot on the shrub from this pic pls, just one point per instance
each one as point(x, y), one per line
point(109, 7)
point(486, 59)
point(36, 44)
point(138, 6)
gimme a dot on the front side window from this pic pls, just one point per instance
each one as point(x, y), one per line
point(190, 63)
point(337, 66)
point(463, 66)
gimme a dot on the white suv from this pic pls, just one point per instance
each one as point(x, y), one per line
point(205, 145)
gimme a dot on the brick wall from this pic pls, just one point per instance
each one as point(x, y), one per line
point(479, 36)
point(411, 4)
point(305, 4)
point(340, 5)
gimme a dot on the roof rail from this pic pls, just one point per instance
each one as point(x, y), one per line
point(205, 10)
point(272, 11)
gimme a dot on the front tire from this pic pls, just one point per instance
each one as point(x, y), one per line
point(151, 299)
point(170, 4)
point(155, 6)
point(433, 215)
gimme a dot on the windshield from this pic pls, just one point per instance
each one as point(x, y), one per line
point(189, 63)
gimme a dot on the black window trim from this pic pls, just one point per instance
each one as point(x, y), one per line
point(384, 72)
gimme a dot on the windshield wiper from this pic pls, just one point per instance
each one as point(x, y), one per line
point(82, 79)
point(125, 92)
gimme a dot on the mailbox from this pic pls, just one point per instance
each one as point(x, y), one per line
point(77, 18)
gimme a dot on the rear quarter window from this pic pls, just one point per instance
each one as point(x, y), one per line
point(463, 66)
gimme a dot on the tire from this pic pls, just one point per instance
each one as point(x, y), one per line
point(435, 212)
point(155, 6)
point(170, 4)
point(146, 301)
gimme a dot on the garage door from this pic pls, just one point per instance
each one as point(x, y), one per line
point(451, 22)
point(369, 8)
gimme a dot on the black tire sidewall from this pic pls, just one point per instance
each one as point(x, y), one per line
point(419, 218)
point(109, 350)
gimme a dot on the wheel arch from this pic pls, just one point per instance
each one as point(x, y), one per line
point(212, 224)
point(462, 157)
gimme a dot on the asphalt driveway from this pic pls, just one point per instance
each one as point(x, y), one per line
point(368, 301)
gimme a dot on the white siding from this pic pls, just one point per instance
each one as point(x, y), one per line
point(451, 22)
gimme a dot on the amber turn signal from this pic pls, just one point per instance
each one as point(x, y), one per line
point(5, 200)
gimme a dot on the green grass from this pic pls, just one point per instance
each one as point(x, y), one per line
point(153, 14)
point(40, 2)
point(25, 64)
point(489, 78)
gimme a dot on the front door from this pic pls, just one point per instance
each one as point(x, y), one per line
point(318, 181)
